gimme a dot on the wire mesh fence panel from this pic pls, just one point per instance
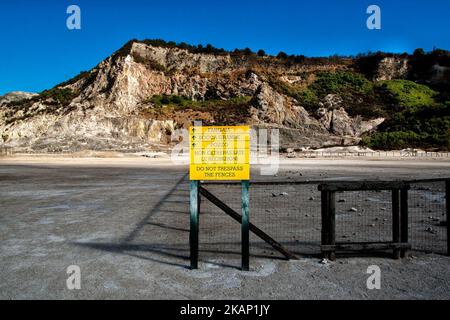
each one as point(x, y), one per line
point(364, 216)
point(290, 214)
point(220, 234)
point(427, 217)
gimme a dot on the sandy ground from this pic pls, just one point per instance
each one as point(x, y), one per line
point(124, 222)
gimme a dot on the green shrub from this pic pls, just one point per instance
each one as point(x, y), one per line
point(209, 49)
point(419, 52)
point(421, 63)
point(218, 112)
point(182, 102)
point(80, 76)
point(392, 140)
point(408, 93)
point(421, 127)
point(307, 98)
point(282, 55)
point(342, 83)
point(62, 96)
point(406, 139)
point(151, 63)
point(355, 90)
point(261, 53)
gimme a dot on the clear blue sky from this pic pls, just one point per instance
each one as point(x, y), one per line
point(38, 51)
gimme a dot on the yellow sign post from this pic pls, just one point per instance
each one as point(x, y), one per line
point(219, 153)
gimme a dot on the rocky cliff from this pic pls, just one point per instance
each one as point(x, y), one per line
point(15, 96)
point(137, 97)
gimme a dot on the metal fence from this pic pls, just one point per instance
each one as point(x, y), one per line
point(6, 151)
point(428, 221)
point(369, 154)
point(290, 212)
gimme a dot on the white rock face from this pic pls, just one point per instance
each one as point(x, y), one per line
point(392, 68)
point(15, 96)
point(334, 118)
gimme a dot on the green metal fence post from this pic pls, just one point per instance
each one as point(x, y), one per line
point(193, 233)
point(245, 237)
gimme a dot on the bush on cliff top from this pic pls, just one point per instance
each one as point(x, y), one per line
point(342, 83)
point(61, 96)
point(421, 127)
point(408, 93)
point(181, 102)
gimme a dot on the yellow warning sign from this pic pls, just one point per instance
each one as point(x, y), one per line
point(219, 153)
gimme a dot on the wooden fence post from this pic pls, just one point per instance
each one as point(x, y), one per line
point(194, 221)
point(328, 237)
point(325, 224)
point(396, 221)
point(245, 234)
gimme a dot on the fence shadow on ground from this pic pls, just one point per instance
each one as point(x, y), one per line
point(165, 251)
